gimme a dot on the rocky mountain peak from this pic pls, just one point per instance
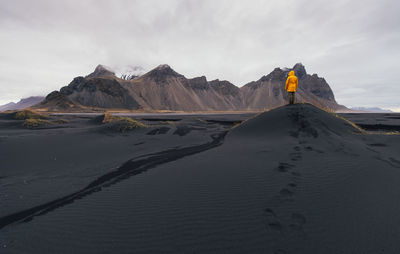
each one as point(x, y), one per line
point(276, 75)
point(163, 67)
point(101, 70)
point(299, 70)
point(161, 73)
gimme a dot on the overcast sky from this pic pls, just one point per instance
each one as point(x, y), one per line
point(353, 44)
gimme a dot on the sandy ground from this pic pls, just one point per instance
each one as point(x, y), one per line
point(292, 180)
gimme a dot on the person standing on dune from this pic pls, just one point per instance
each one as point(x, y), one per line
point(292, 83)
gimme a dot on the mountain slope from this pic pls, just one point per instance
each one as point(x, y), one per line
point(56, 101)
point(163, 88)
point(99, 91)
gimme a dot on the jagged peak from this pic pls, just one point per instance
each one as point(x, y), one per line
point(161, 72)
point(277, 69)
point(221, 81)
point(299, 70)
point(101, 70)
point(275, 75)
point(201, 78)
point(299, 64)
point(163, 67)
point(103, 67)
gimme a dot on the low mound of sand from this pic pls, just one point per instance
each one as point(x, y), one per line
point(295, 120)
point(118, 123)
point(32, 123)
point(27, 114)
point(32, 119)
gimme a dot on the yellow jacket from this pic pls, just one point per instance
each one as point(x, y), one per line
point(291, 82)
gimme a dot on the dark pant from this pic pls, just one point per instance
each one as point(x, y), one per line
point(291, 97)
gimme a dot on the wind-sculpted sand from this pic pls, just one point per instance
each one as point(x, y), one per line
point(295, 179)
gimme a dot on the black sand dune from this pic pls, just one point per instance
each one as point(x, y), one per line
point(130, 168)
point(292, 180)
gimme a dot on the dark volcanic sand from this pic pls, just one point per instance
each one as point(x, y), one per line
point(292, 180)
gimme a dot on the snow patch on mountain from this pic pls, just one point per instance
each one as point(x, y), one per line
point(129, 72)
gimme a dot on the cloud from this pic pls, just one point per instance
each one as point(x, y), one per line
point(352, 44)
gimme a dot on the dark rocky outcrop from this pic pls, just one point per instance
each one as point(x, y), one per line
point(99, 92)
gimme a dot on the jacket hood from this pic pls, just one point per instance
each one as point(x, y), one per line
point(291, 73)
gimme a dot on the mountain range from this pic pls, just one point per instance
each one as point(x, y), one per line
point(164, 89)
point(23, 103)
point(371, 110)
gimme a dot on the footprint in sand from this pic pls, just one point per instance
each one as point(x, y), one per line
point(270, 212)
point(294, 134)
point(308, 148)
point(297, 174)
point(157, 131)
point(272, 220)
point(297, 148)
point(302, 142)
point(295, 156)
point(298, 221)
point(275, 225)
point(286, 195)
point(280, 251)
point(286, 192)
point(284, 167)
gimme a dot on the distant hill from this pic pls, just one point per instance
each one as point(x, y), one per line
point(164, 89)
point(372, 110)
point(23, 103)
